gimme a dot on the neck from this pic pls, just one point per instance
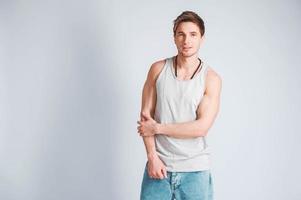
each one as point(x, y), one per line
point(187, 63)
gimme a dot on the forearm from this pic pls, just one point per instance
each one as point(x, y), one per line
point(147, 108)
point(150, 146)
point(189, 129)
point(149, 142)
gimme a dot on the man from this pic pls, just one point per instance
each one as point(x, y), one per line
point(180, 102)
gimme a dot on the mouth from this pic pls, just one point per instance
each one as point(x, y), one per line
point(187, 48)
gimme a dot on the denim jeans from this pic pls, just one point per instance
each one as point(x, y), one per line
point(178, 185)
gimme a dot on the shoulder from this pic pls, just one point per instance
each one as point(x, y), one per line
point(213, 75)
point(155, 69)
point(213, 80)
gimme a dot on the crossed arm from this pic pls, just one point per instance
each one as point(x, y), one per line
point(206, 113)
point(148, 105)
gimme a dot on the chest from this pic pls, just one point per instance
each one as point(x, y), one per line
point(187, 93)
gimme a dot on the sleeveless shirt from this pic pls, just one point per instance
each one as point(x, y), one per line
point(177, 101)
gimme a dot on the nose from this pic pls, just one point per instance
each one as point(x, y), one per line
point(186, 40)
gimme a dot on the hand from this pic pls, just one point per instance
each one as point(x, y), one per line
point(155, 168)
point(148, 126)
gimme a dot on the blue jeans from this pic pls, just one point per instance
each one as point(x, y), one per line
point(178, 185)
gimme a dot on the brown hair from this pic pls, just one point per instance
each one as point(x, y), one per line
point(189, 16)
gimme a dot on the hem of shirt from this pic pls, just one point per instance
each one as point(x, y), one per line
point(187, 170)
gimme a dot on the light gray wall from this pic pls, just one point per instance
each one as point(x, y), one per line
point(71, 76)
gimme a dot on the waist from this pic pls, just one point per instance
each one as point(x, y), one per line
point(181, 148)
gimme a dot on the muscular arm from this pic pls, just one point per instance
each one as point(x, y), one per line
point(149, 103)
point(206, 113)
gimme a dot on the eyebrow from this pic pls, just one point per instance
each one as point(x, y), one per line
point(189, 32)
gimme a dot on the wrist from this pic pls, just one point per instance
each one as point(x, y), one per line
point(159, 129)
point(152, 155)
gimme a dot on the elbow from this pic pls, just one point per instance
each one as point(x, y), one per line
point(202, 129)
point(145, 114)
point(202, 132)
point(205, 133)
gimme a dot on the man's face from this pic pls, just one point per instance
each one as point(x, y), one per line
point(188, 39)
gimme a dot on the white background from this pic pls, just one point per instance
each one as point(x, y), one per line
point(71, 76)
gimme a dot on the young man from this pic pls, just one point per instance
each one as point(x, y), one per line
point(180, 102)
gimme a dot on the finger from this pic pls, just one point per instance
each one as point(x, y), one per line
point(164, 172)
point(160, 175)
point(157, 174)
point(151, 175)
point(138, 122)
point(141, 133)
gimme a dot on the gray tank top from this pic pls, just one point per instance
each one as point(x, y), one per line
point(177, 101)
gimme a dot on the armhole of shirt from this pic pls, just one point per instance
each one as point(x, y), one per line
point(162, 71)
point(204, 75)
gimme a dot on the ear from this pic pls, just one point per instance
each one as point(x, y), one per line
point(202, 40)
